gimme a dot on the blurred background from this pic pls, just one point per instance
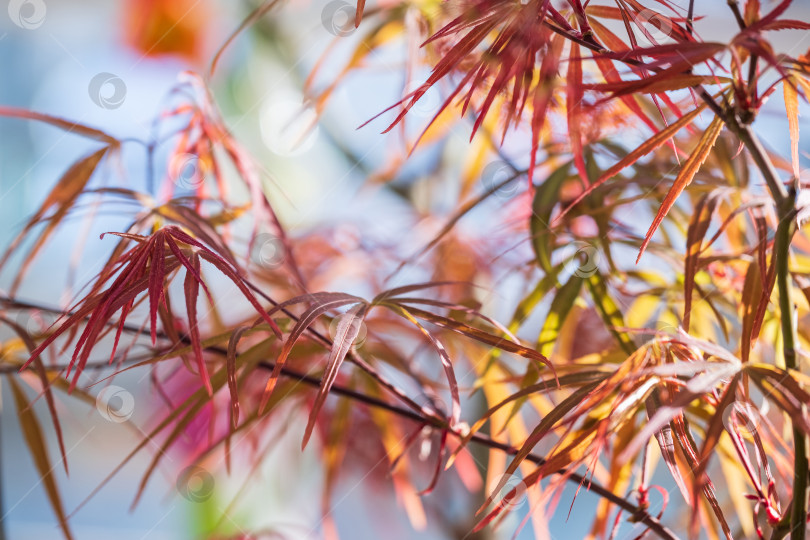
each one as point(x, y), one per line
point(112, 65)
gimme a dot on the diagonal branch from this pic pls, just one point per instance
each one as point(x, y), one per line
point(639, 514)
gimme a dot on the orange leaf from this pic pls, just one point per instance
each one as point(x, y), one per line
point(59, 202)
point(685, 176)
point(573, 106)
point(67, 125)
point(651, 144)
point(35, 441)
point(792, 108)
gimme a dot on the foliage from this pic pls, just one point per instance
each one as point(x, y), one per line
point(693, 354)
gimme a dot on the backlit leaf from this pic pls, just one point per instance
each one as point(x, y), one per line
point(685, 176)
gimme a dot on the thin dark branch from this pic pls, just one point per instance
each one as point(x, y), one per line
point(690, 18)
point(484, 440)
point(735, 9)
point(743, 131)
point(762, 161)
point(640, 514)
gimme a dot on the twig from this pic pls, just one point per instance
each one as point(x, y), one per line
point(639, 513)
point(690, 18)
point(654, 524)
point(743, 131)
point(735, 9)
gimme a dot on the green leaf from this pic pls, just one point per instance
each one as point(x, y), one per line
point(560, 308)
point(546, 196)
point(609, 311)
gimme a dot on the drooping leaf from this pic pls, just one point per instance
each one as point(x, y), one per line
point(35, 441)
point(66, 125)
point(685, 176)
point(645, 148)
point(480, 335)
point(447, 364)
point(689, 449)
point(573, 107)
point(192, 290)
point(558, 312)
point(318, 308)
point(609, 312)
point(45, 380)
point(59, 201)
point(348, 328)
point(698, 226)
point(666, 444)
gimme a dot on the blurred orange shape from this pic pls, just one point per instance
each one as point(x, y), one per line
point(160, 27)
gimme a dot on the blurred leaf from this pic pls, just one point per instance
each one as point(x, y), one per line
point(66, 125)
point(546, 196)
point(558, 312)
point(609, 312)
point(61, 198)
point(35, 441)
point(792, 108)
